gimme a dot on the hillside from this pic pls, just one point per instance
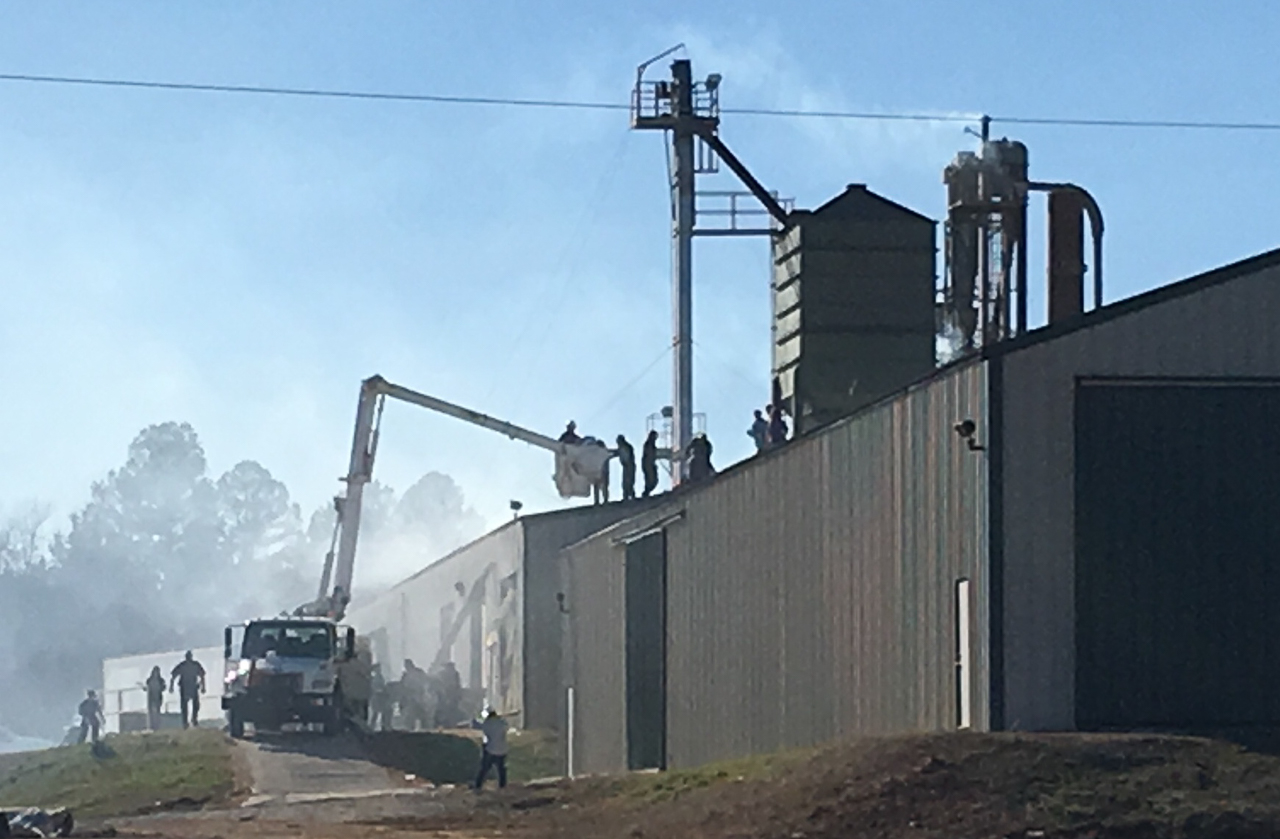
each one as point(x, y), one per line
point(126, 775)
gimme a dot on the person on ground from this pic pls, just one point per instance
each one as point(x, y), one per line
point(381, 704)
point(570, 434)
point(649, 463)
point(449, 711)
point(91, 719)
point(155, 697)
point(414, 686)
point(494, 728)
point(627, 460)
point(189, 677)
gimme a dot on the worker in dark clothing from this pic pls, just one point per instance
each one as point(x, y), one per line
point(759, 432)
point(699, 461)
point(627, 459)
point(189, 677)
point(570, 434)
point(155, 698)
point(449, 707)
point(91, 718)
point(649, 463)
point(381, 702)
point(777, 426)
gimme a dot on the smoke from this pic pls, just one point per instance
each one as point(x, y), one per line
point(164, 555)
point(949, 344)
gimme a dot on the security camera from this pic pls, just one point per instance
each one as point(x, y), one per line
point(966, 428)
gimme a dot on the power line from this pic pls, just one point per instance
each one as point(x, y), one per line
point(319, 93)
point(570, 104)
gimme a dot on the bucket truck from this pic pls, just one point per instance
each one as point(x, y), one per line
point(306, 668)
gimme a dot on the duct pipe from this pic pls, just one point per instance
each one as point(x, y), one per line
point(1095, 228)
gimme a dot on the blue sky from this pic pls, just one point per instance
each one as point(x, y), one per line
point(243, 262)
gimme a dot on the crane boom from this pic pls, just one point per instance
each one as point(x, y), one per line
point(578, 468)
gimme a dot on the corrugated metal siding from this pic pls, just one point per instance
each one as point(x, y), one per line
point(406, 620)
point(810, 592)
point(544, 537)
point(595, 649)
point(1224, 330)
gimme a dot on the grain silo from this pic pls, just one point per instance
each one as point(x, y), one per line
point(853, 292)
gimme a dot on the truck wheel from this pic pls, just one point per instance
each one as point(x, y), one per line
point(235, 725)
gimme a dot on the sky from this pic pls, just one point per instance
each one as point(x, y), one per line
point(243, 262)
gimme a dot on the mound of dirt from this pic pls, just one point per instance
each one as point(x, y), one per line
point(958, 786)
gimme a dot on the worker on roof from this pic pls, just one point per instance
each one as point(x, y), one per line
point(189, 677)
point(777, 426)
point(91, 718)
point(570, 434)
point(649, 463)
point(600, 488)
point(700, 468)
point(627, 459)
point(759, 432)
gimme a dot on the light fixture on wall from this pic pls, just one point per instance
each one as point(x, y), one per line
point(966, 429)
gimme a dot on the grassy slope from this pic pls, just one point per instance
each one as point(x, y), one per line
point(453, 757)
point(129, 774)
point(958, 786)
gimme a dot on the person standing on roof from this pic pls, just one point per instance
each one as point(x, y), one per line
point(155, 698)
point(649, 463)
point(495, 748)
point(570, 434)
point(759, 432)
point(777, 426)
point(91, 718)
point(699, 462)
point(189, 677)
point(627, 459)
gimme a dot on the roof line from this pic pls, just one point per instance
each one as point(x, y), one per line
point(1138, 302)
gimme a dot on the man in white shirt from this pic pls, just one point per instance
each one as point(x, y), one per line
point(495, 748)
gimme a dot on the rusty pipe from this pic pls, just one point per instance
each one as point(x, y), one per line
point(1095, 228)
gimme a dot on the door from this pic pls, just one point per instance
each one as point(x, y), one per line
point(646, 645)
point(964, 675)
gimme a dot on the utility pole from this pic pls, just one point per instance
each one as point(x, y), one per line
point(682, 199)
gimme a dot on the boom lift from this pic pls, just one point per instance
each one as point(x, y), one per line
point(579, 468)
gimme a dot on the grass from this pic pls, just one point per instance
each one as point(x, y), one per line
point(453, 757)
point(125, 775)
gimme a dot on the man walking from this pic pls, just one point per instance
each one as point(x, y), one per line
point(627, 460)
point(649, 463)
point(495, 748)
point(91, 718)
point(189, 677)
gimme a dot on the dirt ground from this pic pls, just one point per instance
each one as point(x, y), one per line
point(965, 786)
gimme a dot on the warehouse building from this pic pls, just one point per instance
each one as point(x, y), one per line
point(489, 607)
point(1074, 529)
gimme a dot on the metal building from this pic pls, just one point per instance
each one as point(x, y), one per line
point(1073, 530)
point(490, 607)
point(853, 299)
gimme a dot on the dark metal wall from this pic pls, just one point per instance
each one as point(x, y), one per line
point(810, 592)
point(853, 294)
point(1177, 488)
point(1225, 329)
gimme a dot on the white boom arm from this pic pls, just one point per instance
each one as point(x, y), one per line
point(578, 469)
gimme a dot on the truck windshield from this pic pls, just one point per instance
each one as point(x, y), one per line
point(287, 640)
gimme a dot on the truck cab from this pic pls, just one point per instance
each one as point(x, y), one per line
point(288, 670)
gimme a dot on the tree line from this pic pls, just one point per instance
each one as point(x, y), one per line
point(163, 555)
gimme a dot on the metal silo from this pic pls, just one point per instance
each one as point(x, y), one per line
point(853, 292)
